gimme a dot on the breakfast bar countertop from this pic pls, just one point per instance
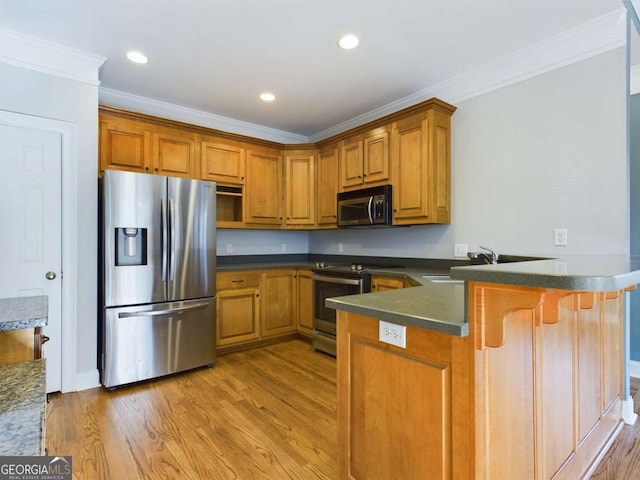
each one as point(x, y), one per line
point(22, 408)
point(23, 312)
point(442, 306)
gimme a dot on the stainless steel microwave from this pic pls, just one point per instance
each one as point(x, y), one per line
point(368, 206)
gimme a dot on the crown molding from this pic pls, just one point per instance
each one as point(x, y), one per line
point(592, 38)
point(48, 57)
point(127, 101)
point(598, 36)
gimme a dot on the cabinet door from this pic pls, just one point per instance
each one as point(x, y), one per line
point(300, 188)
point(351, 164)
point(279, 293)
point(174, 153)
point(375, 378)
point(376, 158)
point(305, 302)
point(421, 169)
point(380, 284)
point(327, 187)
point(264, 180)
point(124, 145)
point(222, 162)
point(238, 316)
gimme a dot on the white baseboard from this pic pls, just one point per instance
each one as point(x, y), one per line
point(86, 380)
point(628, 415)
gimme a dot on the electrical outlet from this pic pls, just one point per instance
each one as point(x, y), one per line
point(392, 334)
point(560, 236)
point(283, 247)
point(460, 250)
point(340, 247)
point(229, 248)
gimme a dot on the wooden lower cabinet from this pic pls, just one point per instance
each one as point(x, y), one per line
point(262, 306)
point(237, 307)
point(380, 283)
point(20, 345)
point(533, 392)
point(279, 301)
point(305, 302)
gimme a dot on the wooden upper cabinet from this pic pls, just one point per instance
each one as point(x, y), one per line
point(327, 187)
point(137, 146)
point(222, 162)
point(124, 145)
point(263, 187)
point(300, 197)
point(421, 167)
point(174, 153)
point(364, 160)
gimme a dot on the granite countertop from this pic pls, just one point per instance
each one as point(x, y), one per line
point(23, 312)
point(442, 306)
point(435, 306)
point(591, 273)
point(22, 408)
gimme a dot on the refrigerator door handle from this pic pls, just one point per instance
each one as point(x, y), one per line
point(172, 235)
point(154, 313)
point(165, 240)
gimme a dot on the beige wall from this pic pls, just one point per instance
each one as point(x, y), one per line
point(546, 152)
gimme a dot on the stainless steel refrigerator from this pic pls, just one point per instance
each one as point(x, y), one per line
point(158, 269)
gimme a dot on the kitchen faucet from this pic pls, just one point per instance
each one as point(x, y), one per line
point(489, 258)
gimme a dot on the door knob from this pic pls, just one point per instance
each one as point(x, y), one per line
point(50, 275)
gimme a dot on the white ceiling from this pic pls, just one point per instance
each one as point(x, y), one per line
point(216, 56)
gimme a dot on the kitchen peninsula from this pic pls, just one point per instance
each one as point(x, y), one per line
point(514, 372)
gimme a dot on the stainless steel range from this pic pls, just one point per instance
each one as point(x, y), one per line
point(334, 281)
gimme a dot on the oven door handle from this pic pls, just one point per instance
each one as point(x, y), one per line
point(340, 280)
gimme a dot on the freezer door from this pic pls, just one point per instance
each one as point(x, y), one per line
point(149, 341)
point(192, 225)
point(132, 272)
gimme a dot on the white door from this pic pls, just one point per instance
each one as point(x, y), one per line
point(30, 227)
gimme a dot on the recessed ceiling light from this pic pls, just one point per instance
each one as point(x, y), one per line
point(267, 97)
point(137, 57)
point(348, 41)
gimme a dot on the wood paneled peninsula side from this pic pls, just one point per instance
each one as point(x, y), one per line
point(515, 372)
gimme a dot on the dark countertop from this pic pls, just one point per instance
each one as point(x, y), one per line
point(436, 306)
point(23, 312)
point(442, 306)
point(22, 408)
point(591, 273)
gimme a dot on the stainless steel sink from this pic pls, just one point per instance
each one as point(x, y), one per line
point(441, 279)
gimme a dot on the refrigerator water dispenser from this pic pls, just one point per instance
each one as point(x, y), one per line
point(131, 246)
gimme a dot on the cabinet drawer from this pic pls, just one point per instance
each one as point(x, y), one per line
point(225, 280)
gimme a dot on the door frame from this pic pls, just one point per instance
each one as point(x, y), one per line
point(69, 145)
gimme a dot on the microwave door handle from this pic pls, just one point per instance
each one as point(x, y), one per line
point(370, 209)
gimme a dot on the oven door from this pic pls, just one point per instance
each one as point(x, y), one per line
point(326, 286)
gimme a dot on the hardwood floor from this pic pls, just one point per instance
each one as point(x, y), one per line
point(267, 413)
point(622, 461)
